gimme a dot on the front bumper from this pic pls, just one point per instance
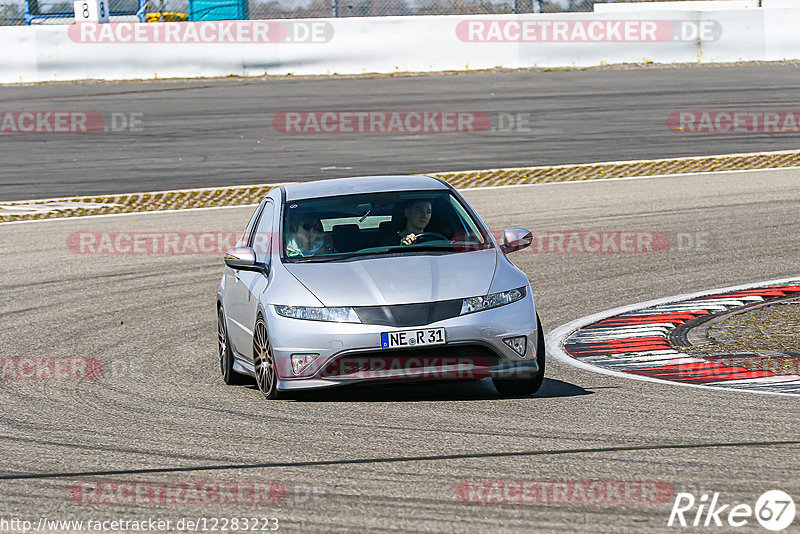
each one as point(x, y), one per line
point(474, 349)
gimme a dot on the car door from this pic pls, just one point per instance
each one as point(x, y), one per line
point(247, 286)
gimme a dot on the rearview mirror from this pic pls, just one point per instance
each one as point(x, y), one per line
point(244, 259)
point(516, 238)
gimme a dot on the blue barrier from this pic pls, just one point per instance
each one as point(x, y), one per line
point(219, 10)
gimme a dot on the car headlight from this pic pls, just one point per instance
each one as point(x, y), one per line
point(308, 313)
point(476, 304)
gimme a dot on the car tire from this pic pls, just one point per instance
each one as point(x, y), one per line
point(527, 386)
point(264, 361)
point(229, 376)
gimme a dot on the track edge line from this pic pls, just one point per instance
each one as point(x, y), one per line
point(554, 340)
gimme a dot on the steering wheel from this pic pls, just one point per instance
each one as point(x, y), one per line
point(429, 236)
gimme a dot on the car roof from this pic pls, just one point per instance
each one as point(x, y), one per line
point(361, 184)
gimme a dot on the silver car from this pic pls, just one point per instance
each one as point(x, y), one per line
point(375, 279)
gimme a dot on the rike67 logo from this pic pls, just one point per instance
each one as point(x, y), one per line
point(774, 510)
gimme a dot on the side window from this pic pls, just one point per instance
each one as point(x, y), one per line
point(261, 239)
point(245, 239)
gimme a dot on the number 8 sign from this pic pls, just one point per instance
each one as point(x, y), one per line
point(91, 10)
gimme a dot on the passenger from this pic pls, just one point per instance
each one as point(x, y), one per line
point(308, 239)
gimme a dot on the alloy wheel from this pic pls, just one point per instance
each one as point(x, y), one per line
point(263, 361)
point(222, 340)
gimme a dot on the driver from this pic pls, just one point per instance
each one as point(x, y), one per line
point(418, 215)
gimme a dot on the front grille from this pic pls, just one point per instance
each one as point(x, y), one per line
point(480, 357)
point(401, 315)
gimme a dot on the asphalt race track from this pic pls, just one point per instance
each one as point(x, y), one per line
point(392, 460)
point(206, 133)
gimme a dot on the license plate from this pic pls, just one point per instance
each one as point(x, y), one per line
point(413, 338)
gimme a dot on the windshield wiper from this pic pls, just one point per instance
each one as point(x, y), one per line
point(325, 258)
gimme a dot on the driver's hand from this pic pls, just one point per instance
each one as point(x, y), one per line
point(407, 240)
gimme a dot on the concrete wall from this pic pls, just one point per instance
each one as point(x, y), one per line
point(397, 44)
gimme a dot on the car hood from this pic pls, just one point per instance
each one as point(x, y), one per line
point(398, 279)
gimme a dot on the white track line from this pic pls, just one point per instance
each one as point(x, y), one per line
point(482, 188)
point(692, 158)
point(629, 161)
point(191, 190)
point(127, 214)
point(625, 178)
point(76, 198)
point(555, 339)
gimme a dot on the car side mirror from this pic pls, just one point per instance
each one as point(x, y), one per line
point(244, 259)
point(516, 238)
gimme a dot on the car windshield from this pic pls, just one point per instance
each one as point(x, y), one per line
point(355, 226)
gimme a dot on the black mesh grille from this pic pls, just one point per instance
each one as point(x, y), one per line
point(409, 314)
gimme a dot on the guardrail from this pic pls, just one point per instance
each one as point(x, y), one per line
point(14, 12)
point(394, 44)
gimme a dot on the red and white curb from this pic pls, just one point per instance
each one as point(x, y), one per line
point(632, 341)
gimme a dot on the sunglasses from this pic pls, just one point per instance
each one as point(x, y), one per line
point(308, 226)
